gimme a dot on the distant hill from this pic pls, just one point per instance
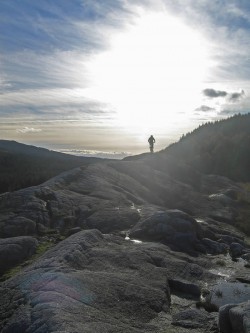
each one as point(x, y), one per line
point(24, 165)
point(221, 147)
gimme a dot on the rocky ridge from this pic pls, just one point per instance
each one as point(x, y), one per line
point(148, 248)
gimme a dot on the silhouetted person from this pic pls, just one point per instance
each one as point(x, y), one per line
point(151, 141)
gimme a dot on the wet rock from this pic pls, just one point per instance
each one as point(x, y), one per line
point(222, 198)
point(214, 247)
point(228, 293)
point(236, 250)
point(14, 250)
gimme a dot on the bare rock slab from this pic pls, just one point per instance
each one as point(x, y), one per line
point(14, 250)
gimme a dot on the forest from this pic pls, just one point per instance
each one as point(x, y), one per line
point(221, 147)
point(23, 166)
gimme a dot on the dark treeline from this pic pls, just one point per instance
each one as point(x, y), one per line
point(221, 147)
point(23, 166)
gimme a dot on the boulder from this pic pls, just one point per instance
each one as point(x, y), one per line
point(14, 250)
point(224, 321)
point(214, 247)
point(172, 227)
point(184, 287)
point(238, 316)
point(234, 318)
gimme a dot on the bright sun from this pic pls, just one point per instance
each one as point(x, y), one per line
point(152, 73)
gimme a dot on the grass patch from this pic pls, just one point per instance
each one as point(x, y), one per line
point(10, 273)
point(41, 249)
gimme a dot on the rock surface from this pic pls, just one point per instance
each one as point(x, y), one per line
point(235, 318)
point(94, 283)
point(161, 233)
point(14, 250)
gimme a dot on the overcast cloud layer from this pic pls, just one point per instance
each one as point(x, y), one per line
point(46, 48)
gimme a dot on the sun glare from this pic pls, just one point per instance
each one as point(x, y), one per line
point(152, 73)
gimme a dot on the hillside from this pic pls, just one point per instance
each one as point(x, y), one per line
point(221, 148)
point(24, 165)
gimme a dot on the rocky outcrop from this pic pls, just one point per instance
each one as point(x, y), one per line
point(213, 247)
point(171, 227)
point(110, 197)
point(235, 318)
point(18, 226)
point(144, 266)
point(95, 283)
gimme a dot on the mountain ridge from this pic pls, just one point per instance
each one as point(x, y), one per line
point(221, 147)
point(26, 165)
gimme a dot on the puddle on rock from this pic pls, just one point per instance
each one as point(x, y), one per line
point(229, 293)
point(136, 241)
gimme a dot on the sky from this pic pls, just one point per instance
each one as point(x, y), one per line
point(93, 77)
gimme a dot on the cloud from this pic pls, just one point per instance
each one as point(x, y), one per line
point(214, 93)
point(63, 25)
point(237, 12)
point(234, 97)
point(52, 105)
point(231, 97)
point(28, 130)
point(46, 48)
point(204, 108)
point(48, 98)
